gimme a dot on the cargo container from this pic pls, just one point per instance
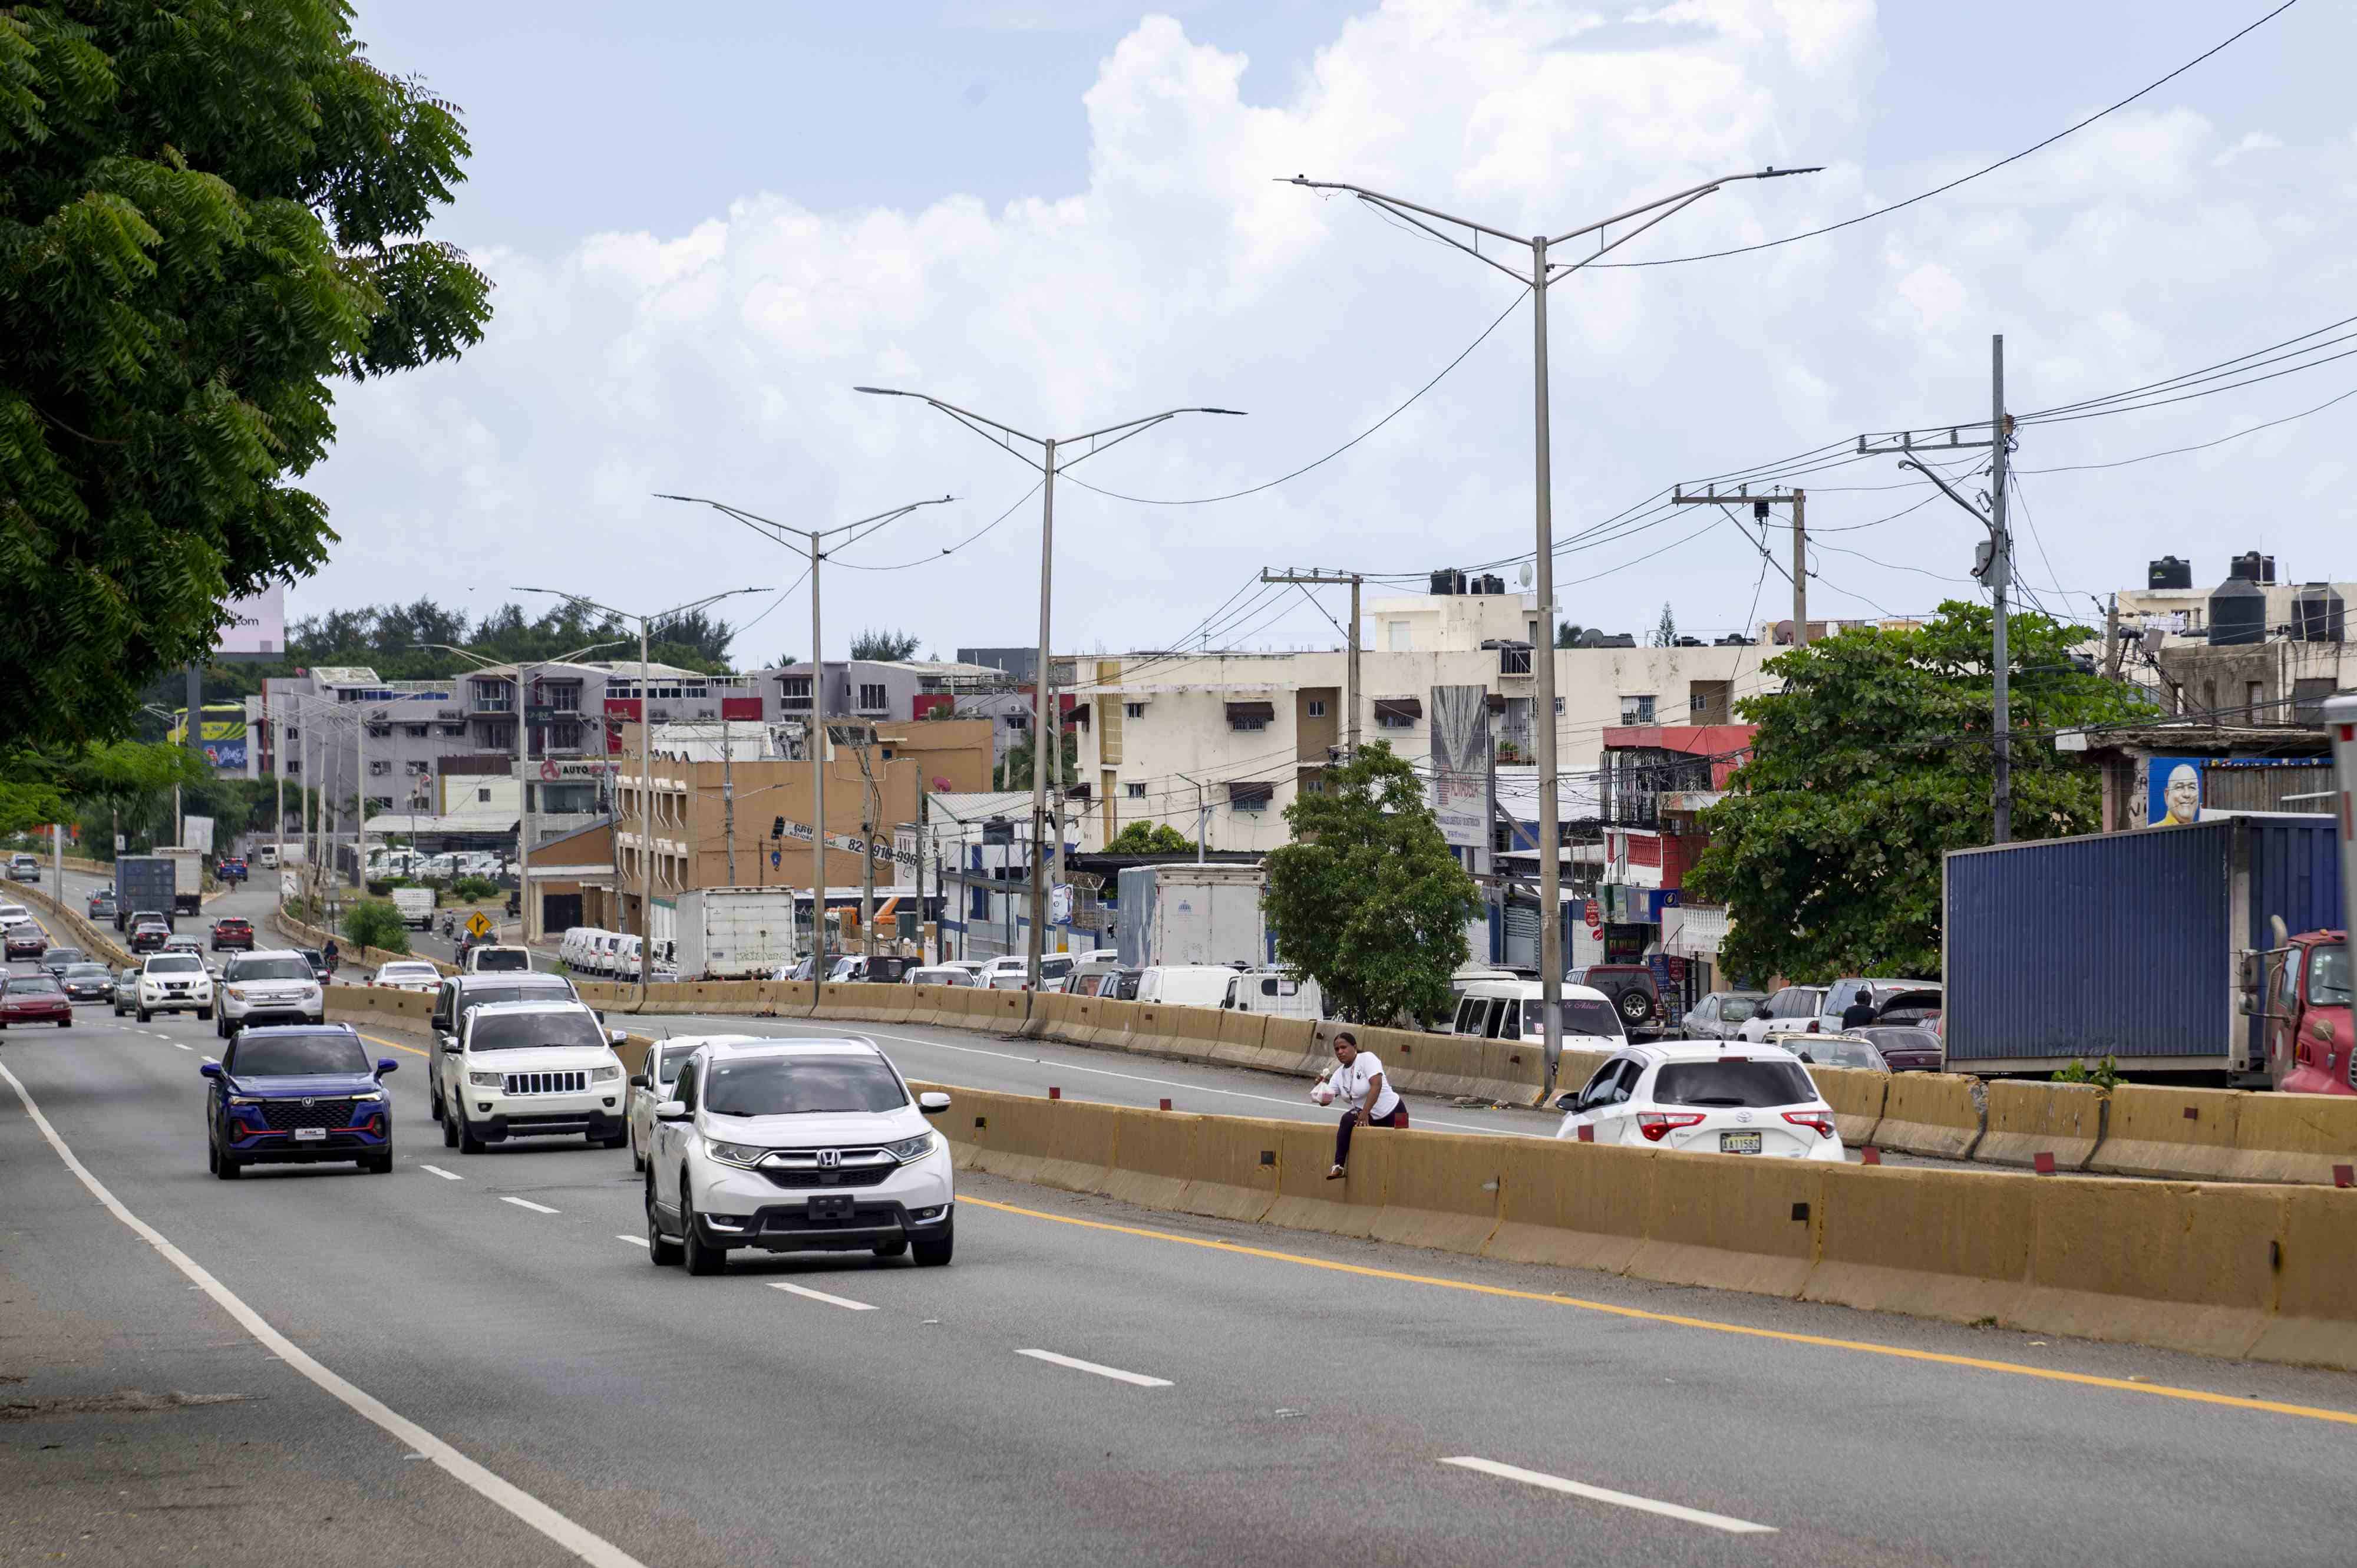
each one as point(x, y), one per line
point(733, 933)
point(143, 881)
point(1187, 914)
point(2132, 945)
point(187, 878)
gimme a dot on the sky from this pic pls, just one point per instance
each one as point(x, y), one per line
point(708, 225)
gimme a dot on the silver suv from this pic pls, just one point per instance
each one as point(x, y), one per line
point(275, 987)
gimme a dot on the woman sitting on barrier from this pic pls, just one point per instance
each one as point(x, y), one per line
point(1357, 1080)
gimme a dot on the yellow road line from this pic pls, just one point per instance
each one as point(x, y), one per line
point(2122, 1385)
point(396, 1044)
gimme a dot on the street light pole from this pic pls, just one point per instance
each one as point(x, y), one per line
point(1045, 733)
point(1543, 273)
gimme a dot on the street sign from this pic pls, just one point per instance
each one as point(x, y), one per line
point(548, 771)
point(1595, 916)
point(479, 924)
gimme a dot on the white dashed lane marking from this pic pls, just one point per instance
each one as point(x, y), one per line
point(1137, 1379)
point(842, 1301)
point(527, 1203)
point(446, 1176)
point(1618, 1500)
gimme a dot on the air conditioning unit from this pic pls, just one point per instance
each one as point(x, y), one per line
point(659, 714)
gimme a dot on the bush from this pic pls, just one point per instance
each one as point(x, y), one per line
point(476, 889)
point(2105, 1075)
point(375, 925)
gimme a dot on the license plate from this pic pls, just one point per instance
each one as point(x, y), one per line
point(319, 1135)
point(837, 1206)
point(1738, 1143)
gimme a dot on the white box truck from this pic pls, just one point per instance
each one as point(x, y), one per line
point(416, 907)
point(187, 878)
point(734, 933)
point(1185, 914)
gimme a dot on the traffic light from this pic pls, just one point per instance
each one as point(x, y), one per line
point(778, 828)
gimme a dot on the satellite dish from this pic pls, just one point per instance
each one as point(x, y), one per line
point(1526, 574)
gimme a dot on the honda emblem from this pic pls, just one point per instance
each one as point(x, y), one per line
point(828, 1159)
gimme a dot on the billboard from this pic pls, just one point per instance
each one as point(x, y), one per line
point(257, 628)
point(1461, 765)
point(223, 734)
point(2175, 792)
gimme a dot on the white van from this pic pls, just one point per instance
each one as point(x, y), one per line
point(1511, 1010)
point(1186, 984)
point(1279, 993)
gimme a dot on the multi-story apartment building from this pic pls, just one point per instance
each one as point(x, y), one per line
point(896, 691)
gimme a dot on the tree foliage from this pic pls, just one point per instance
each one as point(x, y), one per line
point(1014, 772)
point(371, 923)
point(1874, 761)
point(1367, 899)
point(207, 208)
point(1150, 838)
point(883, 645)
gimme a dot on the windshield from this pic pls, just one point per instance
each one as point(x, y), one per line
point(802, 1086)
point(64, 955)
point(289, 1055)
point(500, 960)
point(667, 1066)
point(1844, 1053)
point(1734, 1009)
point(174, 963)
point(2327, 977)
point(408, 972)
point(524, 1031)
point(270, 969)
point(1733, 1083)
point(88, 972)
point(31, 984)
point(1581, 1016)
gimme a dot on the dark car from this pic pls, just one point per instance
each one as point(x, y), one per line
point(232, 932)
point(88, 983)
point(317, 961)
point(101, 905)
point(1121, 985)
point(1846, 1049)
point(1631, 987)
point(127, 989)
point(28, 940)
point(230, 870)
point(149, 936)
point(1908, 1048)
point(297, 1095)
point(34, 999)
point(57, 961)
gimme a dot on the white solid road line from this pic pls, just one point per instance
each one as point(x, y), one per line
point(1605, 1495)
point(842, 1301)
point(594, 1550)
point(1107, 1072)
point(527, 1203)
point(633, 1241)
point(446, 1176)
point(1116, 1374)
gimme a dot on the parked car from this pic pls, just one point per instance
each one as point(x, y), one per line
point(1630, 988)
point(1921, 999)
point(24, 869)
point(407, 974)
point(651, 1085)
point(1511, 1010)
point(173, 982)
point(941, 974)
point(1852, 1050)
point(269, 988)
point(1718, 1016)
point(1010, 972)
point(1907, 1047)
point(34, 999)
point(1698, 1097)
point(1793, 1010)
point(1121, 985)
point(88, 983)
point(28, 940)
point(797, 1145)
point(1278, 992)
point(296, 1096)
point(57, 961)
point(234, 932)
point(531, 1070)
point(148, 934)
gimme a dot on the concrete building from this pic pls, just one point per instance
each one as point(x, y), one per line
point(897, 690)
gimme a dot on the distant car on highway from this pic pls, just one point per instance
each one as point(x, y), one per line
point(1718, 1016)
point(297, 1095)
point(234, 932)
point(173, 982)
point(459, 996)
point(498, 960)
point(797, 1145)
point(24, 869)
point(318, 962)
point(407, 974)
point(28, 940)
point(57, 961)
point(13, 915)
point(127, 988)
point(265, 988)
point(1793, 1010)
point(34, 999)
point(1705, 1097)
point(149, 933)
point(88, 983)
point(100, 907)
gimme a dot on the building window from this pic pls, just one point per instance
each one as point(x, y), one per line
point(1313, 785)
point(483, 797)
point(1018, 721)
point(1248, 724)
point(1637, 710)
point(291, 732)
point(1317, 708)
point(453, 732)
point(795, 692)
point(1136, 792)
point(871, 697)
point(1558, 707)
point(2254, 701)
point(414, 732)
point(380, 803)
point(1133, 710)
point(378, 768)
point(293, 765)
point(1254, 798)
point(417, 770)
point(379, 732)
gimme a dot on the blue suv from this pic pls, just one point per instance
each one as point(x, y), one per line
point(297, 1095)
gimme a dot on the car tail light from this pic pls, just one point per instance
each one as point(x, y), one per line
point(1655, 1123)
point(1822, 1121)
point(1813, 1026)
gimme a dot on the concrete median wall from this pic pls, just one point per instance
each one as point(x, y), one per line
point(63, 921)
point(1933, 1114)
point(2025, 1119)
point(2268, 1271)
point(1857, 1096)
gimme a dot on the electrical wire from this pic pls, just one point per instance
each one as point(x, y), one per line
point(927, 560)
point(2203, 447)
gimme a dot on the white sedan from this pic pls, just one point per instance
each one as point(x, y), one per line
point(1705, 1097)
point(408, 974)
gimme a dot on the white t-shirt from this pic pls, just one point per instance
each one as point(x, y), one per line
point(1351, 1084)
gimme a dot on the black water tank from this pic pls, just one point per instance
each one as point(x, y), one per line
point(2318, 615)
point(2238, 612)
point(2254, 567)
point(2168, 571)
point(1493, 583)
point(1448, 582)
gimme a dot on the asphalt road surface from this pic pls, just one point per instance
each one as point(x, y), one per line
point(471, 1360)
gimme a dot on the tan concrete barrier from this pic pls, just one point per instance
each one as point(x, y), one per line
point(1572, 1071)
point(360, 1003)
point(1935, 1243)
point(1079, 1024)
point(2184, 1264)
point(999, 1012)
point(2293, 1137)
point(1150, 1027)
point(1933, 1114)
point(1051, 1012)
point(1109, 1023)
point(2317, 1283)
point(1239, 1039)
point(1290, 1045)
point(1235, 1172)
point(1857, 1096)
point(1576, 1206)
point(1441, 1190)
point(1306, 1200)
point(1193, 1033)
point(1731, 1224)
point(2148, 1132)
point(783, 997)
point(1156, 1156)
point(2026, 1119)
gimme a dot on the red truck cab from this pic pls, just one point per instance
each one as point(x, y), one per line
point(2311, 1047)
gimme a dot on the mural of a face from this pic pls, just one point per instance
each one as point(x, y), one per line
point(2184, 796)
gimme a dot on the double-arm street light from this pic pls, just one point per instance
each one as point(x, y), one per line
point(1047, 736)
point(1543, 272)
point(814, 541)
point(646, 760)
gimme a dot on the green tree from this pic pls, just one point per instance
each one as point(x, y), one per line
point(883, 645)
point(1666, 630)
point(207, 208)
point(1871, 763)
point(1150, 838)
point(1566, 634)
point(1367, 899)
point(1015, 773)
point(128, 784)
point(370, 923)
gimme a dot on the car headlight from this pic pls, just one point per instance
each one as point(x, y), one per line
point(734, 1154)
point(244, 1100)
point(486, 1080)
point(234, 995)
point(370, 1094)
point(910, 1150)
point(607, 1074)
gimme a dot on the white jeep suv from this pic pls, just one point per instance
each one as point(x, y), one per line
point(269, 988)
point(531, 1070)
point(175, 982)
point(796, 1146)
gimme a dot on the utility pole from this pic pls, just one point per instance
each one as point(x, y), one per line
point(1993, 565)
point(1799, 501)
point(1543, 274)
point(195, 741)
point(728, 795)
point(2111, 644)
point(1351, 667)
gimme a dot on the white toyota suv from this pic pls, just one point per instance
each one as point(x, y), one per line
point(796, 1146)
point(531, 1070)
point(269, 988)
point(175, 982)
point(1724, 1096)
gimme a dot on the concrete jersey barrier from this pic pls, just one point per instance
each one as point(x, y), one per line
point(2025, 1119)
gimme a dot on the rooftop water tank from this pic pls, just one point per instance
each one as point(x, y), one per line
point(2318, 615)
point(2168, 571)
point(2254, 567)
point(2238, 611)
point(1448, 582)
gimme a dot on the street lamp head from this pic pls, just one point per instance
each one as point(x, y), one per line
point(883, 392)
point(1772, 171)
point(1237, 411)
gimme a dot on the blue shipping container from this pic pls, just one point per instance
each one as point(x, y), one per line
point(2126, 944)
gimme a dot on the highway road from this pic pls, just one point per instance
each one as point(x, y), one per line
point(472, 1361)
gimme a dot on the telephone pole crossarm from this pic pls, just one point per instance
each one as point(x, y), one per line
point(1351, 691)
point(1799, 501)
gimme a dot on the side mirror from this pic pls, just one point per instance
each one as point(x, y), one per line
point(673, 1111)
point(209, 1069)
point(932, 1103)
point(638, 1081)
point(1567, 1101)
point(385, 1065)
point(450, 1045)
point(618, 1036)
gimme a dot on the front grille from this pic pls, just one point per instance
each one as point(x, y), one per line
point(804, 1177)
point(546, 1083)
point(797, 1221)
point(283, 1115)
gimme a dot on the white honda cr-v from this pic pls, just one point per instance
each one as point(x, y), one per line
point(796, 1146)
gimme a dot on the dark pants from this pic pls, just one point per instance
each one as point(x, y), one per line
point(1398, 1118)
